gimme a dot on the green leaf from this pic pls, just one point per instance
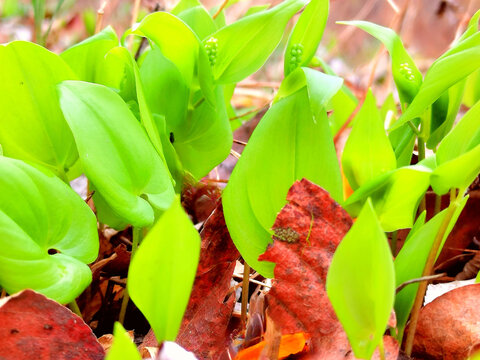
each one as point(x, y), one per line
point(395, 196)
point(87, 58)
point(255, 9)
point(175, 39)
point(287, 145)
point(368, 152)
point(117, 156)
point(410, 261)
point(38, 213)
point(123, 347)
point(202, 136)
point(361, 283)
point(162, 271)
point(32, 125)
point(194, 14)
point(472, 89)
point(147, 120)
point(306, 35)
point(243, 47)
point(405, 73)
point(458, 155)
point(450, 68)
point(453, 100)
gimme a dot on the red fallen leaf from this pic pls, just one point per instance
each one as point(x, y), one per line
point(204, 326)
point(307, 232)
point(33, 325)
point(448, 326)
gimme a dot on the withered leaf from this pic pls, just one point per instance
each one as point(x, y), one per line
point(33, 325)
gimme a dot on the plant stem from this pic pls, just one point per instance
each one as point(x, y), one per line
point(75, 309)
point(222, 6)
point(421, 156)
point(428, 271)
point(381, 350)
point(136, 238)
point(245, 284)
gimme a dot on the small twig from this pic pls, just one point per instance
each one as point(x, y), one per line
point(239, 142)
point(89, 196)
point(136, 7)
point(224, 3)
point(423, 278)
point(464, 21)
point(256, 110)
point(223, 181)
point(143, 42)
point(235, 154)
point(394, 6)
point(245, 285)
point(100, 13)
point(137, 233)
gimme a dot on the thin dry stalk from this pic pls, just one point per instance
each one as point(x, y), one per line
point(224, 3)
point(100, 13)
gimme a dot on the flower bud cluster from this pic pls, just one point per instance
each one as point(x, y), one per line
point(296, 53)
point(211, 49)
point(407, 72)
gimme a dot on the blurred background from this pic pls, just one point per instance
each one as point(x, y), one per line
point(426, 26)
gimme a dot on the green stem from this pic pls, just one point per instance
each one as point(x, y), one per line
point(74, 307)
point(137, 233)
point(421, 155)
point(245, 284)
point(55, 13)
point(429, 269)
point(381, 350)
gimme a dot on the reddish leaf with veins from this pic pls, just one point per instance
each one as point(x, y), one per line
point(306, 234)
point(33, 326)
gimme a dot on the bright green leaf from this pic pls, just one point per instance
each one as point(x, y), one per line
point(38, 213)
point(123, 347)
point(32, 125)
point(162, 271)
point(87, 58)
point(395, 196)
point(194, 14)
point(117, 156)
point(458, 155)
point(361, 283)
point(243, 47)
point(306, 35)
point(405, 73)
point(287, 145)
point(452, 67)
point(368, 152)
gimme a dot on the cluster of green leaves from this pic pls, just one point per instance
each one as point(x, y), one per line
point(138, 127)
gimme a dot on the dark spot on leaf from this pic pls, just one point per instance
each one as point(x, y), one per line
point(53, 251)
point(172, 138)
